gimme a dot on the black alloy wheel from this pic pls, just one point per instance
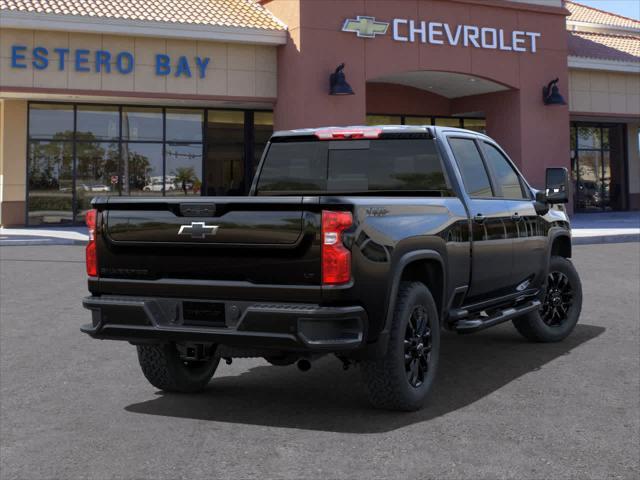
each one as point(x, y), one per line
point(417, 346)
point(557, 300)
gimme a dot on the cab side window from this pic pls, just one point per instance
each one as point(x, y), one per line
point(506, 178)
point(474, 174)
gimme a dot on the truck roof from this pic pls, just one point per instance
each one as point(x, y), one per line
point(382, 129)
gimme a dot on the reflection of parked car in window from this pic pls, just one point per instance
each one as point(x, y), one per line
point(156, 186)
point(87, 188)
point(94, 188)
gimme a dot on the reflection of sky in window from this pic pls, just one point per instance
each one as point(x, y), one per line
point(49, 120)
point(98, 122)
point(184, 125)
point(142, 124)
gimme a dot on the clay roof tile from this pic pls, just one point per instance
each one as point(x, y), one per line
point(225, 13)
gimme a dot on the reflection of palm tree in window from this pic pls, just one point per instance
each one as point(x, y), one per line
point(186, 179)
point(139, 170)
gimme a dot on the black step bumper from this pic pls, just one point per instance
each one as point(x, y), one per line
point(288, 326)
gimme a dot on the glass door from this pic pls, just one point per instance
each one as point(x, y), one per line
point(598, 167)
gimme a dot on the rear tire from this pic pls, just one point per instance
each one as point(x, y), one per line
point(561, 307)
point(402, 378)
point(163, 367)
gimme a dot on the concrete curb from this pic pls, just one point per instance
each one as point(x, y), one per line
point(631, 238)
point(40, 241)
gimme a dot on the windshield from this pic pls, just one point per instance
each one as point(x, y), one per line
point(356, 166)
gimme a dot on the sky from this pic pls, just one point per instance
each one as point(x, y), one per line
point(628, 8)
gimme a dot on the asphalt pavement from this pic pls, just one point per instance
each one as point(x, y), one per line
point(72, 407)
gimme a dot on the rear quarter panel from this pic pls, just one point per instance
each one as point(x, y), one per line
point(385, 230)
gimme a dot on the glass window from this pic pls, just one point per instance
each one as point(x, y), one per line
point(411, 165)
point(184, 169)
point(589, 137)
point(472, 168)
point(131, 150)
point(143, 169)
point(357, 166)
point(384, 120)
point(505, 176)
point(475, 124)
point(184, 125)
point(142, 124)
point(294, 166)
point(448, 122)
point(263, 129)
point(224, 162)
point(97, 173)
point(97, 123)
point(589, 191)
point(50, 172)
point(50, 121)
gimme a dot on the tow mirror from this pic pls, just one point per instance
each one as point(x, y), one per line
point(557, 186)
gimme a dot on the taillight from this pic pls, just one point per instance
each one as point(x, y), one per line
point(348, 133)
point(336, 259)
point(92, 252)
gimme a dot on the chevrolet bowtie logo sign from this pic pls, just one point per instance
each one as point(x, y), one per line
point(198, 230)
point(365, 27)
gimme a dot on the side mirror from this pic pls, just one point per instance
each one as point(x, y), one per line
point(557, 185)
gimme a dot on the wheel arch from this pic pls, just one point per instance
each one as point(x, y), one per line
point(426, 266)
point(561, 245)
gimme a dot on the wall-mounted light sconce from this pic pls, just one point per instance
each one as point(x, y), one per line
point(338, 82)
point(551, 94)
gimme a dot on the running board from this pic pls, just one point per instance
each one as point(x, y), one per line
point(471, 325)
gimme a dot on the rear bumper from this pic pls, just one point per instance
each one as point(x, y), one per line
point(278, 326)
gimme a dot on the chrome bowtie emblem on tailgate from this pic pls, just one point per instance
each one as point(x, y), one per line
point(198, 230)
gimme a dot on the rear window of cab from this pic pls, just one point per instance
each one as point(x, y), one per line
point(352, 167)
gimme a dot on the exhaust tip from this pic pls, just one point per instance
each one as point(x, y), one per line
point(304, 365)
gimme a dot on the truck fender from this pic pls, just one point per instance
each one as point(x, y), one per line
point(398, 269)
point(554, 235)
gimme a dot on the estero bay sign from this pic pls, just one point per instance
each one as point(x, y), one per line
point(439, 33)
point(98, 61)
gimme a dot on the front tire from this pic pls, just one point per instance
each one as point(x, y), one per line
point(561, 305)
point(402, 378)
point(166, 370)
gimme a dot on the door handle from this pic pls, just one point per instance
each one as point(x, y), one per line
point(479, 218)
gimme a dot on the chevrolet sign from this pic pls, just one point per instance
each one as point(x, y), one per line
point(437, 33)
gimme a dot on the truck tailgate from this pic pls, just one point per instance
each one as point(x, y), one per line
point(263, 240)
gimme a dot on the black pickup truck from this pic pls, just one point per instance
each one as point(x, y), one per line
point(363, 242)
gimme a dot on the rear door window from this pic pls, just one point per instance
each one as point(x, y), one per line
point(474, 174)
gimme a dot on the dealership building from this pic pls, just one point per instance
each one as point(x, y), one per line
point(178, 97)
